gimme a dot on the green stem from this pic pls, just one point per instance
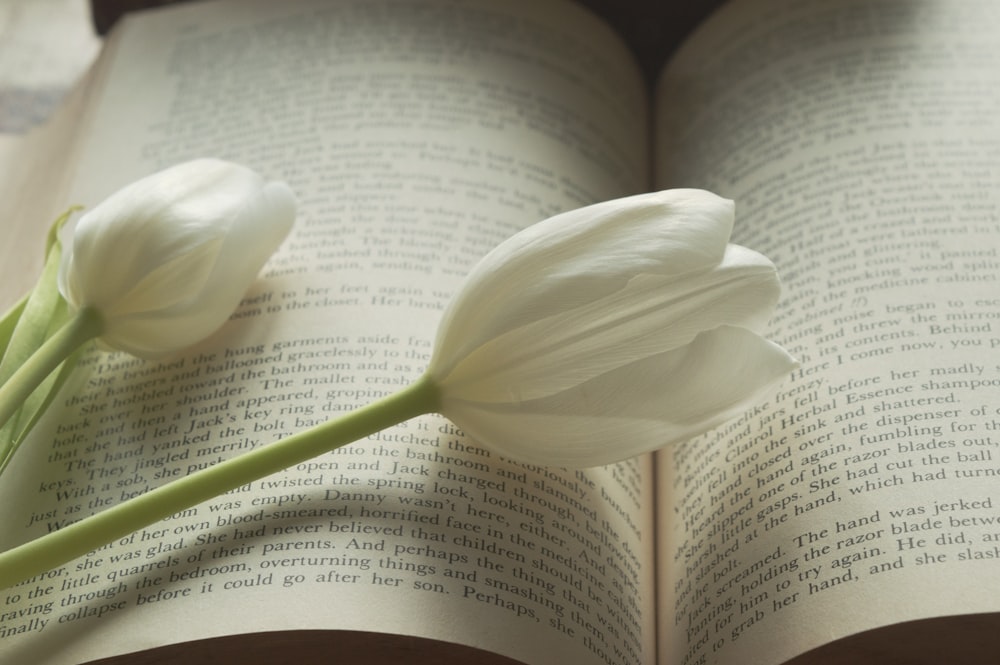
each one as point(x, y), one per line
point(59, 547)
point(84, 326)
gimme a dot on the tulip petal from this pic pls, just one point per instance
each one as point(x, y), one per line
point(170, 282)
point(580, 256)
point(249, 242)
point(153, 220)
point(264, 224)
point(650, 315)
point(653, 402)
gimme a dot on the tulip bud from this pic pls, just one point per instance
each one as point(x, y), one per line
point(610, 331)
point(166, 260)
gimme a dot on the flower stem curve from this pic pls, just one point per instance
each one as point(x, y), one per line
point(59, 547)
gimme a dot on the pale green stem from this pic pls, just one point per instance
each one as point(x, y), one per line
point(84, 326)
point(59, 547)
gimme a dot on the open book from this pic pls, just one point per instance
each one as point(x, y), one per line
point(854, 517)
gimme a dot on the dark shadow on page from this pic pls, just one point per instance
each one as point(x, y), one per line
point(311, 647)
point(969, 639)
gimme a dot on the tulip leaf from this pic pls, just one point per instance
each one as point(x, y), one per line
point(9, 322)
point(22, 331)
point(36, 406)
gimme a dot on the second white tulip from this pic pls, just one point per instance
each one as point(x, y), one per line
point(610, 331)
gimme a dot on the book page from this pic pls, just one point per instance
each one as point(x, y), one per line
point(860, 143)
point(417, 135)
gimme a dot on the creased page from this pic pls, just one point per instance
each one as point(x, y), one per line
point(861, 144)
point(417, 135)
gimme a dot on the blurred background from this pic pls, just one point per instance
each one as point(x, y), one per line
point(45, 45)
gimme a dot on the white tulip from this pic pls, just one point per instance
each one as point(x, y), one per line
point(610, 331)
point(166, 260)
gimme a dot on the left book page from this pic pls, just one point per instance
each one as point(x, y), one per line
point(417, 136)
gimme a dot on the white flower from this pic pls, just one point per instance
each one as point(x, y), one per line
point(166, 260)
point(610, 331)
